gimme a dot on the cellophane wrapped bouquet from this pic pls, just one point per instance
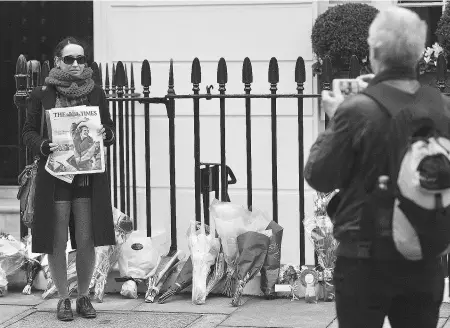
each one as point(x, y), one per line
point(320, 229)
point(107, 256)
point(32, 264)
point(204, 250)
point(233, 220)
point(12, 258)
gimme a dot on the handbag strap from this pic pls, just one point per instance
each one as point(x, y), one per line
point(42, 122)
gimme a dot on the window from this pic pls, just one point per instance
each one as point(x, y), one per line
point(430, 11)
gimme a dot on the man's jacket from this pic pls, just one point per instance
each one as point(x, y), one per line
point(350, 154)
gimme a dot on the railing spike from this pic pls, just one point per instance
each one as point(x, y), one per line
point(247, 71)
point(441, 72)
point(131, 77)
point(21, 65)
point(120, 74)
point(107, 86)
point(113, 76)
point(126, 76)
point(196, 72)
point(300, 75)
point(146, 74)
point(222, 73)
point(274, 77)
point(171, 89)
point(95, 73)
point(21, 74)
point(355, 68)
point(45, 71)
point(100, 74)
point(327, 70)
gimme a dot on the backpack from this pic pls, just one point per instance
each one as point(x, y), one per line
point(409, 206)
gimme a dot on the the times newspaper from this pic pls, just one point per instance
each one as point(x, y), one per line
point(80, 148)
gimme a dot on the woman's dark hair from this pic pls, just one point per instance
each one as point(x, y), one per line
point(69, 40)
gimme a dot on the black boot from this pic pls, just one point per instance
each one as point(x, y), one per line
point(64, 310)
point(85, 308)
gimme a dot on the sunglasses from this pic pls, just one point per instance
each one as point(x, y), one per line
point(69, 60)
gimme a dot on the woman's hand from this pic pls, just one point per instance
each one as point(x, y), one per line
point(53, 146)
point(102, 132)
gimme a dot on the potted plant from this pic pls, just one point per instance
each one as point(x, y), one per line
point(341, 32)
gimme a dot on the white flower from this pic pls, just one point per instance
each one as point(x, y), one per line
point(437, 49)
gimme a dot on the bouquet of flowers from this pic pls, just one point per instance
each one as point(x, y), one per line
point(107, 256)
point(184, 280)
point(204, 250)
point(216, 276)
point(233, 220)
point(253, 247)
point(12, 257)
point(429, 58)
point(165, 268)
point(289, 275)
point(32, 264)
point(320, 229)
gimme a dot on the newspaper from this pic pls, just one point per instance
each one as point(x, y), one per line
point(80, 148)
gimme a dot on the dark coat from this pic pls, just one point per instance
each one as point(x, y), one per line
point(351, 153)
point(102, 219)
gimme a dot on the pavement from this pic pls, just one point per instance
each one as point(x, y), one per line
point(18, 310)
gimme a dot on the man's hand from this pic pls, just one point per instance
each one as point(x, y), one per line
point(330, 102)
point(363, 80)
point(102, 132)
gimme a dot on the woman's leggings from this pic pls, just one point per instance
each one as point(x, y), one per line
point(85, 257)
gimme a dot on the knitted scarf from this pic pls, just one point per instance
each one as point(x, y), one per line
point(70, 86)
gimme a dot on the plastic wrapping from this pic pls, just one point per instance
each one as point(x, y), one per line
point(12, 258)
point(138, 256)
point(183, 280)
point(320, 229)
point(32, 265)
point(271, 268)
point(165, 268)
point(253, 248)
point(216, 276)
point(107, 256)
point(129, 289)
point(204, 249)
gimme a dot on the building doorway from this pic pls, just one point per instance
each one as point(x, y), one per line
point(32, 28)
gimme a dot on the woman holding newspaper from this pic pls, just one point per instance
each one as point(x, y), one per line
point(84, 205)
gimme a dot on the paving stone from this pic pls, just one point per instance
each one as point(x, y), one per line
point(183, 303)
point(111, 302)
point(441, 323)
point(17, 298)
point(282, 313)
point(445, 310)
point(208, 321)
point(7, 312)
point(108, 319)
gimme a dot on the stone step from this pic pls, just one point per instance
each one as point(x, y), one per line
point(9, 216)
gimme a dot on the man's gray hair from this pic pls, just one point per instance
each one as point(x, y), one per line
point(397, 36)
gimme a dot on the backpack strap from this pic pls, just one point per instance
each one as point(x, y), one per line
point(42, 122)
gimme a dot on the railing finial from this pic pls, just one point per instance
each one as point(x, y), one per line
point(196, 72)
point(247, 71)
point(300, 75)
point(222, 73)
point(274, 77)
point(171, 88)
